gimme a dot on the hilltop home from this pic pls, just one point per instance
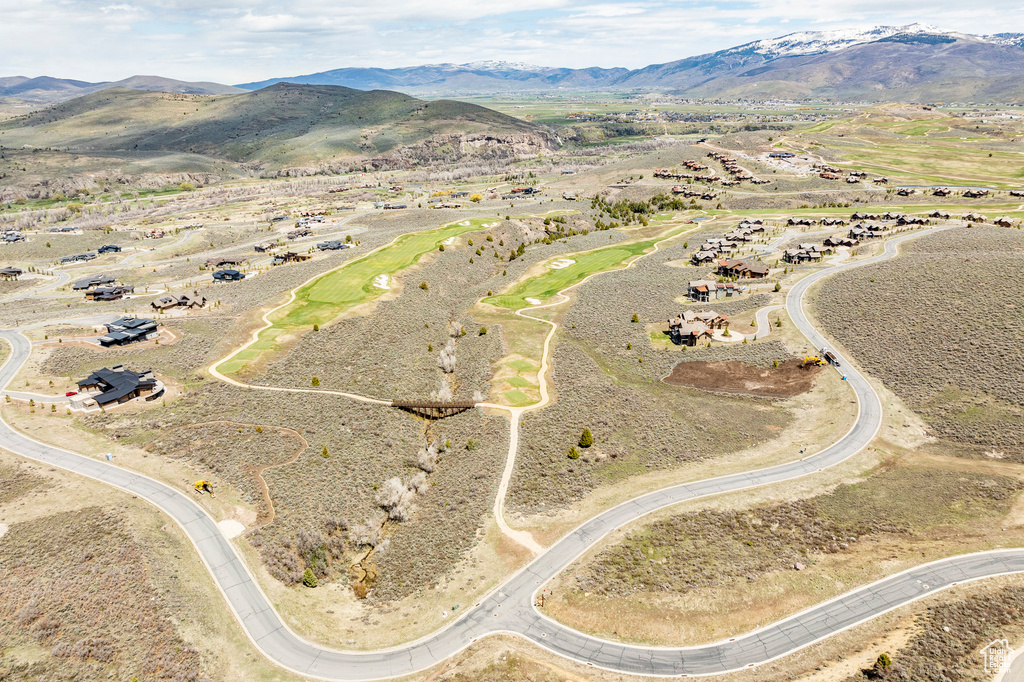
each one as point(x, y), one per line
point(332, 245)
point(704, 290)
point(167, 302)
point(92, 281)
point(114, 293)
point(691, 328)
point(127, 330)
point(228, 275)
point(742, 269)
point(78, 257)
point(222, 262)
point(10, 273)
point(109, 248)
point(834, 242)
point(702, 257)
point(117, 385)
point(290, 257)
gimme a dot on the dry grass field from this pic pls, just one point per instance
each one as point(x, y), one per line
point(703, 575)
point(940, 326)
point(322, 501)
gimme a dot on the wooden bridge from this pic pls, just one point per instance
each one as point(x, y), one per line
point(432, 409)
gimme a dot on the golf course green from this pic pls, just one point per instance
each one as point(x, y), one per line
point(545, 285)
point(325, 298)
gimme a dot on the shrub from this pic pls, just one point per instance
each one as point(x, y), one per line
point(316, 381)
point(186, 187)
point(636, 318)
point(423, 285)
point(586, 439)
point(316, 327)
point(259, 429)
point(324, 453)
point(483, 330)
point(778, 287)
point(475, 198)
point(573, 453)
point(884, 661)
point(441, 248)
point(472, 444)
point(309, 578)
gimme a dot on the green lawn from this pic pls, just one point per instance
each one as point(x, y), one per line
point(522, 366)
point(547, 284)
point(517, 398)
point(347, 286)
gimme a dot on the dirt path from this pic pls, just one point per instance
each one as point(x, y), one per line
point(257, 471)
point(524, 538)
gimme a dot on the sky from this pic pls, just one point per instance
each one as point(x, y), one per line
point(234, 41)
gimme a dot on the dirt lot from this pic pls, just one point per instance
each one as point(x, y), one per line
point(941, 326)
point(787, 380)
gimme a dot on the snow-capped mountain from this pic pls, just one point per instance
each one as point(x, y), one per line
point(817, 42)
point(918, 62)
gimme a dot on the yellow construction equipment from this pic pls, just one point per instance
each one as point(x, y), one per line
point(204, 487)
point(812, 361)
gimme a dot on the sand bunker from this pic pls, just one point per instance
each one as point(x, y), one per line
point(381, 282)
point(533, 301)
point(561, 263)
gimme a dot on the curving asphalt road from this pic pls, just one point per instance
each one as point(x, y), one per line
point(510, 607)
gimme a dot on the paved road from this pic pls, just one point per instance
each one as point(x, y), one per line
point(510, 607)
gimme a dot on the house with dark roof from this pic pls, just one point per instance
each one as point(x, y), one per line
point(118, 385)
point(78, 257)
point(228, 275)
point(113, 293)
point(166, 302)
point(12, 236)
point(332, 245)
point(290, 257)
point(109, 248)
point(10, 273)
point(92, 281)
point(125, 330)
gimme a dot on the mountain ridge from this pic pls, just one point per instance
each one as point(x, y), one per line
point(916, 61)
point(713, 74)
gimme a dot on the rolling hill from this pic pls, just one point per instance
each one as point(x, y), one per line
point(280, 125)
point(46, 90)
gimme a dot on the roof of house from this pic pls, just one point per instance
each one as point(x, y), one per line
point(117, 382)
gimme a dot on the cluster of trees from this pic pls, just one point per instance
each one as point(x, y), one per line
point(630, 212)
